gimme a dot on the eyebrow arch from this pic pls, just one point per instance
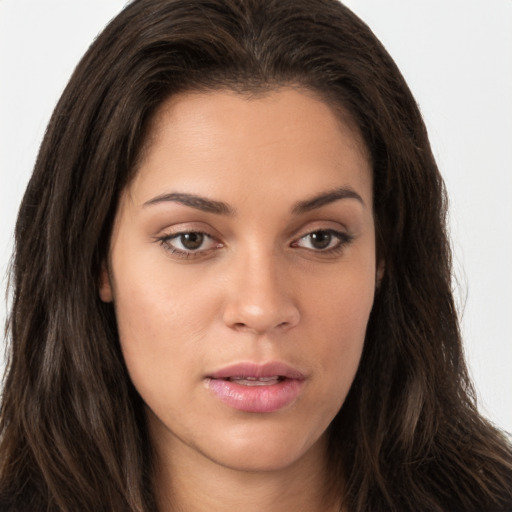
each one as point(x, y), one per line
point(325, 198)
point(194, 201)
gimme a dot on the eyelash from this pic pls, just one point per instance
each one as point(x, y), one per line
point(166, 240)
point(344, 239)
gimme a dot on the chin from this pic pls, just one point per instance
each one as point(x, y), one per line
point(266, 450)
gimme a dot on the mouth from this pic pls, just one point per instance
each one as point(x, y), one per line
point(256, 381)
point(254, 372)
point(256, 388)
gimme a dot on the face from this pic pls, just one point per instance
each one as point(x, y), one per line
point(242, 270)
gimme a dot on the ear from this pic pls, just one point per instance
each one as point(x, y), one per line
point(105, 284)
point(379, 274)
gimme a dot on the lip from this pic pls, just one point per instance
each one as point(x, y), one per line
point(258, 398)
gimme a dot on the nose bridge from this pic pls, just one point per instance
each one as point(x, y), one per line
point(259, 299)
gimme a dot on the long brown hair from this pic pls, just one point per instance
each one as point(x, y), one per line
point(73, 433)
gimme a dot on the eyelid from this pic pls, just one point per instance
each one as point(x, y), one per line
point(343, 237)
point(165, 241)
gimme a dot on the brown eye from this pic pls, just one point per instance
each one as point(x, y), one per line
point(320, 239)
point(323, 240)
point(191, 241)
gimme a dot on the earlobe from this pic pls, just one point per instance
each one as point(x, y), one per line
point(105, 285)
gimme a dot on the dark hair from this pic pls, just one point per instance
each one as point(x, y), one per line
point(73, 434)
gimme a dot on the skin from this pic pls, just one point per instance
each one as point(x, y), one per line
point(258, 288)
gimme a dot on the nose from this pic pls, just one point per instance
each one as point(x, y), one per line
point(259, 297)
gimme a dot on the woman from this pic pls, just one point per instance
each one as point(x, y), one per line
point(232, 280)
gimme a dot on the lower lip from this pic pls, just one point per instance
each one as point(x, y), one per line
point(259, 399)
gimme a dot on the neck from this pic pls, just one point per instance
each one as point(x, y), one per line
point(188, 482)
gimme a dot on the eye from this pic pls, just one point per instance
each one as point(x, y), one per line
point(189, 243)
point(324, 240)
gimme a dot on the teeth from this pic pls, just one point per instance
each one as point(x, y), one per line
point(256, 381)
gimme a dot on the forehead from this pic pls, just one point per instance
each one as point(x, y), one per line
point(224, 138)
point(256, 108)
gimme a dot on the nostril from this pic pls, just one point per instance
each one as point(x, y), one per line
point(260, 312)
point(241, 326)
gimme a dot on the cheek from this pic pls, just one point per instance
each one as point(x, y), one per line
point(160, 317)
point(342, 299)
point(340, 317)
point(152, 295)
point(343, 337)
point(160, 336)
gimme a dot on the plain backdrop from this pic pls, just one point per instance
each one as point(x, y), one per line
point(457, 58)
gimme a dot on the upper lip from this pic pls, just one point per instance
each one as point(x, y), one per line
point(256, 370)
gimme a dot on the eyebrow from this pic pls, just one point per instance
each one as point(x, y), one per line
point(221, 208)
point(194, 201)
point(325, 198)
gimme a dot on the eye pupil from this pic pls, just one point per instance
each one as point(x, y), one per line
point(192, 241)
point(320, 239)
